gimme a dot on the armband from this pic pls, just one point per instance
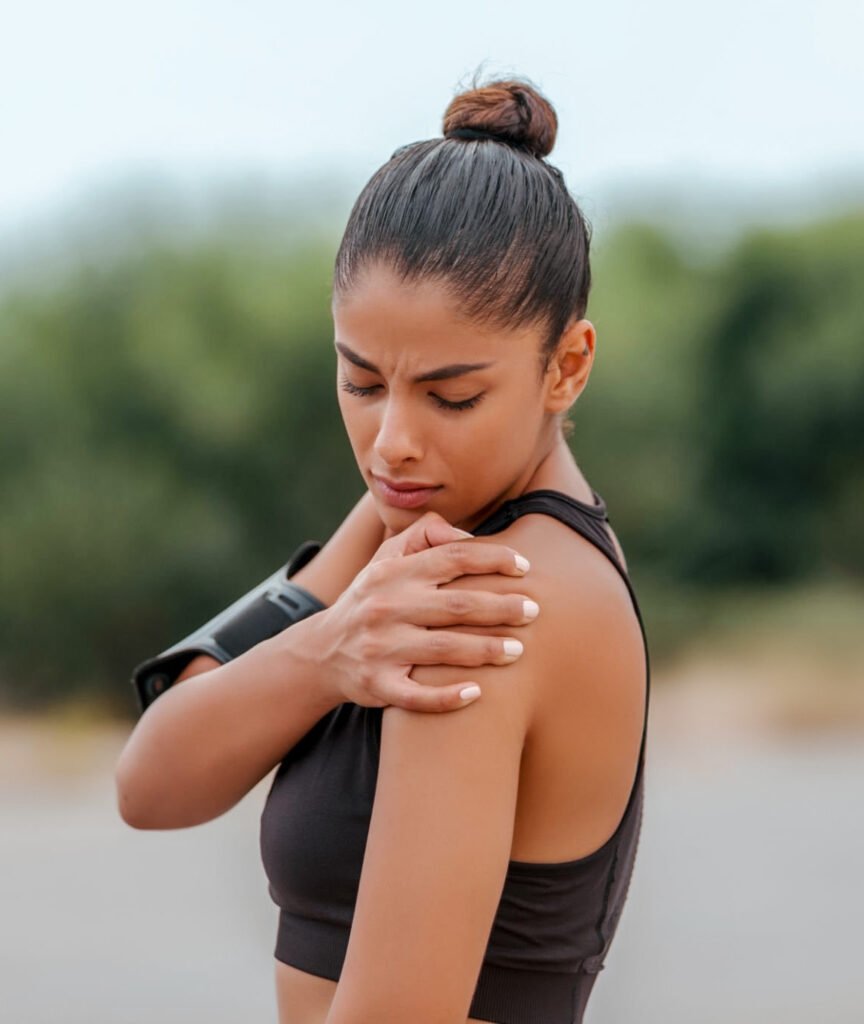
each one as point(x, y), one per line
point(266, 610)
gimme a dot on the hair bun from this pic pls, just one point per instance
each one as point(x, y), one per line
point(512, 110)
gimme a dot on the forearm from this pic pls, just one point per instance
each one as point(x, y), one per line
point(345, 554)
point(202, 746)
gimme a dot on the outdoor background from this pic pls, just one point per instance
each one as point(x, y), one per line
point(174, 183)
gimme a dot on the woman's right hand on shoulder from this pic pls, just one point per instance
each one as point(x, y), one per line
point(371, 637)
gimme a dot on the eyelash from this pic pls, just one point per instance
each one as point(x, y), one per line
point(468, 403)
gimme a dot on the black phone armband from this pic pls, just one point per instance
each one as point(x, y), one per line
point(267, 609)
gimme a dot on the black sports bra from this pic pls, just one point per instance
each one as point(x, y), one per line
point(555, 921)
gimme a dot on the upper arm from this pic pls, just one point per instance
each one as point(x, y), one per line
point(439, 843)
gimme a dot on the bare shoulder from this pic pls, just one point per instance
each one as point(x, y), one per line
point(571, 578)
point(586, 641)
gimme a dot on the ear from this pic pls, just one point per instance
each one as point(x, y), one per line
point(570, 365)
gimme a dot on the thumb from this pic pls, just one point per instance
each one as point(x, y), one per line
point(430, 530)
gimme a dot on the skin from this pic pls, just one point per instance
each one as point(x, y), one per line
point(399, 430)
point(557, 738)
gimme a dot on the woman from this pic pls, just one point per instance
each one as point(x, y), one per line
point(473, 864)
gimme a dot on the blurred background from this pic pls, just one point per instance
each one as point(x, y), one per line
point(174, 183)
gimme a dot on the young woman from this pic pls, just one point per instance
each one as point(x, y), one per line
point(469, 865)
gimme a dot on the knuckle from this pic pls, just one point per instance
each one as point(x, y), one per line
point(460, 553)
point(438, 701)
point(360, 585)
point(360, 679)
point(376, 609)
point(494, 648)
point(410, 700)
point(440, 642)
point(457, 602)
point(369, 646)
point(373, 575)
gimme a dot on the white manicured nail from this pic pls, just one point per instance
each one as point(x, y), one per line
point(530, 609)
point(470, 692)
point(512, 648)
point(522, 563)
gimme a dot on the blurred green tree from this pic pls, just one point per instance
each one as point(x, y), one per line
point(781, 424)
point(169, 432)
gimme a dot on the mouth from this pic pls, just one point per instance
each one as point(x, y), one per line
point(404, 493)
point(405, 485)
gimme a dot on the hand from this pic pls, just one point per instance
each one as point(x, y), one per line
point(371, 637)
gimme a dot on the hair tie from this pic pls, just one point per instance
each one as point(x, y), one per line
point(474, 133)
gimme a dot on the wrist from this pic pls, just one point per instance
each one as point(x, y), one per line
point(304, 648)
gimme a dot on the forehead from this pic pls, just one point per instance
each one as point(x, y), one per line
point(418, 324)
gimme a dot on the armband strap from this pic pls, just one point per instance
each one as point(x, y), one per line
point(266, 610)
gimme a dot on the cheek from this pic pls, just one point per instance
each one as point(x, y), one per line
point(360, 422)
point(352, 422)
point(507, 434)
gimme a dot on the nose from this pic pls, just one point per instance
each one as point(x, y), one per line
point(398, 436)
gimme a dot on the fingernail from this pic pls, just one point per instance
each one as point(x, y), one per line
point(513, 648)
point(470, 692)
point(464, 533)
point(522, 563)
point(530, 609)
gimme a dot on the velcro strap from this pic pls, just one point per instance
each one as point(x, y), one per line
point(260, 620)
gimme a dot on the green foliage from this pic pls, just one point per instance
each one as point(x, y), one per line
point(725, 416)
point(782, 393)
point(169, 432)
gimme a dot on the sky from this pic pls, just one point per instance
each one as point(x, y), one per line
point(748, 98)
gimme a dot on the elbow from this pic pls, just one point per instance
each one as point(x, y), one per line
point(142, 811)
point(140, 787)
point(141, 802)
point(131, 806)
point(131, 814)
point(144, 804)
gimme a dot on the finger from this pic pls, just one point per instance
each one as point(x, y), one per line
point(481, 608)
point(446, 647)
point(430, 530)
point(416, 697)
point(458, 558)
point(470, 607)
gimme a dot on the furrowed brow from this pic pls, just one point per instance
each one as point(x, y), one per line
point(442, 373)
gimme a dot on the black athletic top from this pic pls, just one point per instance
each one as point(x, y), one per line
point(555, 921)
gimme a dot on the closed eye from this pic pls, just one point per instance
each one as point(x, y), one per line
point(467, 403)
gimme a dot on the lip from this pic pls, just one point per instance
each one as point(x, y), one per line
point(405, 485)
point(402, 496)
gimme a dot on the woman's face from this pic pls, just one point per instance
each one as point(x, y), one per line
point(474, 429)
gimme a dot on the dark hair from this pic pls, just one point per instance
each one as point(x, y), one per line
point(484, 213)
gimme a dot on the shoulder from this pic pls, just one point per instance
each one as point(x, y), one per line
point(586, 621)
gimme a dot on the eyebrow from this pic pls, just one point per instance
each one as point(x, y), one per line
point(442, 373)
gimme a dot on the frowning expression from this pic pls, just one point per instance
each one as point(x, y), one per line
point(432, 399)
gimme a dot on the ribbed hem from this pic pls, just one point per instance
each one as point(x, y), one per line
point(317, 947)
point(503, 995)
point(508, 996)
